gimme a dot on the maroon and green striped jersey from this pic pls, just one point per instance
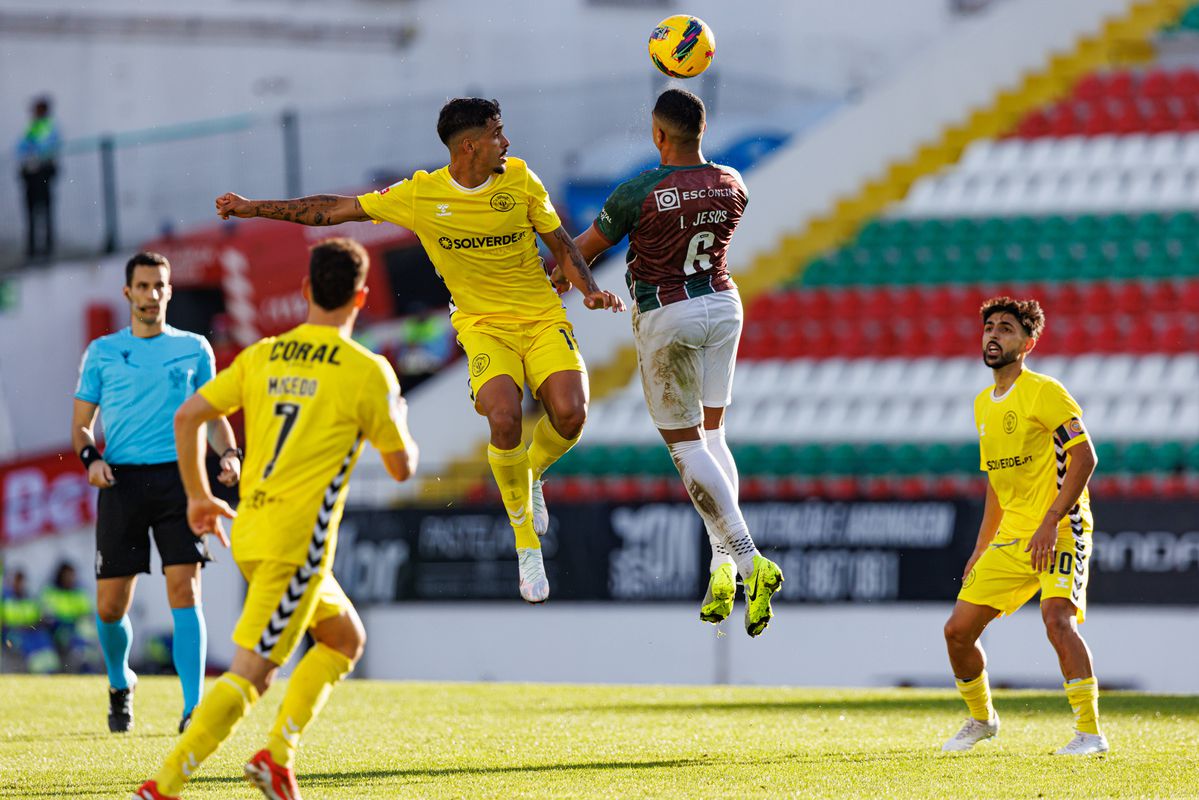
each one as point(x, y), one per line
point(679, 221)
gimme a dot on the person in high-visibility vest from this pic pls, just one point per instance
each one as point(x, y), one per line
point(67, 610)
point(25, 636)
point(37, 155)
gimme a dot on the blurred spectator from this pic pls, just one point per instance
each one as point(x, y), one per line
point(28, 646)
point(428, 344)
point(37, 154)
point(67, 612)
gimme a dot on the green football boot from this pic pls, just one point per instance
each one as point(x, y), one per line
point(760, 586)
point(718, 600)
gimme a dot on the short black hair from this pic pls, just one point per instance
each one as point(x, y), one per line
point(463, 113)
point(1028, 312)
point(145, 258)
point(682, 110)
point(336, 269)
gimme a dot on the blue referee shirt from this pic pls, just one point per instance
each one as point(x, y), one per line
point(139, 384)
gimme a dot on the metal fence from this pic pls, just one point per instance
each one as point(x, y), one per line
point(116, 190)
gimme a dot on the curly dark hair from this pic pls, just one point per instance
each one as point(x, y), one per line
point(464, 113)
point(336, 270)
point(1029, 312)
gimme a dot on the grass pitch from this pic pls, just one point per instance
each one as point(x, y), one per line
point(427, 740)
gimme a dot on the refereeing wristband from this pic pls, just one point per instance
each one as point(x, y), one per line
point(237, 451)
point(88, 455)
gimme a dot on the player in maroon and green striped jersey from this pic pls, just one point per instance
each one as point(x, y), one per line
point(687, 318)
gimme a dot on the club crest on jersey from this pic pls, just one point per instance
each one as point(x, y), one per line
point(443, 209)
point(1009, 422)
point(479, 364)
point(502, 201)
point(667, 199)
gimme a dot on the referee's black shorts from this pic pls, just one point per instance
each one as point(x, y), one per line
point(144, 497)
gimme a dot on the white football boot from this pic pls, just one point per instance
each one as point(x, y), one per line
point(972, 732)
point(534, 585)
point(1084, 744)
point(541, 514)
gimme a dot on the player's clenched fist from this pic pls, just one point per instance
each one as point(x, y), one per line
point(603, 299)
point(233, 205)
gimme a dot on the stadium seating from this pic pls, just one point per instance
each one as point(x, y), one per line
point(855, 377)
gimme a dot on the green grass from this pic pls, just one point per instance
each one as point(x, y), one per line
point(431, 740)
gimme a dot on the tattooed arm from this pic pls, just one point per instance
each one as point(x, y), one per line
point(575, 269)
point(317, 209)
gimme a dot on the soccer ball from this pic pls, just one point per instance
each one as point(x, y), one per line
point(682, 46)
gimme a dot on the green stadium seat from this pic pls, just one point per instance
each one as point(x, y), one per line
point(876, 459)
point(1136, 457)
point(1168, 457)
point(1190, 458)
point(810, 460)
point(841, 459)
point(1109, 457)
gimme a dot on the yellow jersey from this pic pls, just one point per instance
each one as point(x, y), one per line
point(310, 395)
point(482, 241)
point(1024, 440)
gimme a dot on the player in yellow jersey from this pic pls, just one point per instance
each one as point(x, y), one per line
point(1036, 528)
point(476, 219)
point(311, 396)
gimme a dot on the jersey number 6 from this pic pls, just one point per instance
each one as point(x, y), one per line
point(698, 261)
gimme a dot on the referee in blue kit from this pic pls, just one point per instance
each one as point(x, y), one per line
point(137, 378)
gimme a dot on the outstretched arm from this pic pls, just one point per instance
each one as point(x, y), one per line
point(317, 209)
point(574, 268)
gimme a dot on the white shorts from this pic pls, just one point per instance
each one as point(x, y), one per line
point(686, 352)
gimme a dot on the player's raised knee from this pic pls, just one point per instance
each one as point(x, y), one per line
point(569, 425)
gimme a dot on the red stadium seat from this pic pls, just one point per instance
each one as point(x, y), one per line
point(1089, 87)
point(1189, 297)
point(1120, 85)
point(1129, 297)
point(1162, 297)
point(1157, 83)
point(1173, 337)
point(1186, 82)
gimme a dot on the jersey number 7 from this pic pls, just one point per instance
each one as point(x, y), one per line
point(289, 412)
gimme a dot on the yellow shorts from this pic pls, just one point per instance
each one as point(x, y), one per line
point(281, 605)
point(1003, 577)
point(526, 353)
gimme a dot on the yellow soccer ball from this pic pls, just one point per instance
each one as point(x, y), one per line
point(682, 46)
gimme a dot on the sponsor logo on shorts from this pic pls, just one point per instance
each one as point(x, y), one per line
point(969, 580)
point(1009, 422)
point(478, 242)
point(667, 199)
point(502, 201)
point(479, 364)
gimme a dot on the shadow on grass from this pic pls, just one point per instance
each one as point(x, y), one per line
point(352, 776)
point(1114, 704)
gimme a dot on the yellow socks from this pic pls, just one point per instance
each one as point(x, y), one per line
point(547, 447)
point(1083, 694)
point(223, 706)
point(977, 694)
point(514, 476)
point(309, 688)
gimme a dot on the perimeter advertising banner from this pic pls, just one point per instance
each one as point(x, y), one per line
point(1145, 552)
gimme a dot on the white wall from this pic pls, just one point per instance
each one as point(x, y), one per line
point(130, 82)
point(1151, 649)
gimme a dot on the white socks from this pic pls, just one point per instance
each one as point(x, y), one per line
point(719, 448)
point(712, 494)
